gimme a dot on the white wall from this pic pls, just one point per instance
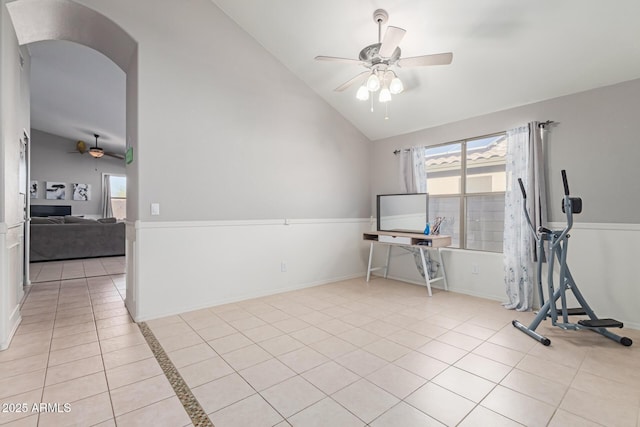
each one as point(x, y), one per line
point(596, 141)
point(53, 158)
point(14, 121)
point(226, 133)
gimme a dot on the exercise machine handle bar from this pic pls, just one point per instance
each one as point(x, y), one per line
point(524, 208)
point(565, 183)
point(567, 208)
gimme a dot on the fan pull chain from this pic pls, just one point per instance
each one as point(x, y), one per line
point(386, 111)
point(371, 98)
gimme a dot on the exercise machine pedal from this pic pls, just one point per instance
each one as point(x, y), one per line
point(600, 323)
point(572, 312)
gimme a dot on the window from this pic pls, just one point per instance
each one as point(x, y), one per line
point(118, 186)
point(466, 181)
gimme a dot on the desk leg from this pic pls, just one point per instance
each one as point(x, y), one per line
point(386, 267)
point(370, 258)
point(444, 273)
point(426, 272)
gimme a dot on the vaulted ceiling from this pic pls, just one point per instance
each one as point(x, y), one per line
point(505, 53)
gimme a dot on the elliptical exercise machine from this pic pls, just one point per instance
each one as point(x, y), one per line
point(558, 245)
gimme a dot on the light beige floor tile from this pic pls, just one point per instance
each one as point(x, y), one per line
point(25, 402)
point(273, 316)
point(361, 362)
point(303, 359)
point(222, 392)
point(32, 347)
point(474, 330)
point(177, 342)
point(387, 350)
point(562, 418)
point(281, 345)
point(381, 328)
point(359, 337)
point(534, 386)
point(23, 365)
point(498, 353)
point(29, 421)
point(118, 330)
point(481, 416)
point(533, 365)
point(139, 394)
point(253, 411)
point(292, 395)
point(126, 355)
point(74, 329)
point(205, 371)
point(424, 366)
point(366, 400)
point(75, 369)
point(518, 407)
point(85, 412)
point(291, 325)
point(459, 340)
point(442, 351)
point(76, 389)
point(229, 343)
point(70, 354)
point(325, 413)
point(409, 339)
point(22, 383)
point(330, 377)
point(440, 403)
point(333, 347)
point(483, 367)
point(266, 374)
point(133, 372)
point(113, 321)
point(464, 383)
point(60, 343)
point(406, 416)
point(396, 381)
point(605, 388)
point(262, 333)
point(165, 413)
point(189, 355)
point(514, 339)
point(608, 412)
point(216, 331)
point(246, 357)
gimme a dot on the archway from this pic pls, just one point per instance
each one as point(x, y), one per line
point(40, 20)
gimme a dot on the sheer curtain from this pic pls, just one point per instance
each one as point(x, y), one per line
point(413, 175)
point(525, 161)
point(107, 212)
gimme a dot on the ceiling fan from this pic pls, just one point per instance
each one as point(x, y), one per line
point(380, 58)
point(95, 151)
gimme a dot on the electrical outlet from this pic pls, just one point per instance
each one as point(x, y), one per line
point(283, 267)
point(475, 269)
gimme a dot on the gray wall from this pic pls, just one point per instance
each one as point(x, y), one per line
point(596, 139)
point(225, 131)
point(53, 159)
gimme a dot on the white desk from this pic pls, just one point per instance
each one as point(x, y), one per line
point(414, 240)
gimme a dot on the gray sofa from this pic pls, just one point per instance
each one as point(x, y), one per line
point(60, 238)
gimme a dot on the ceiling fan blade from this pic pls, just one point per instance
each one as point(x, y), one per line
point(336, 59)
point(114, 155)
point(354, 80)
point(392, 38)
point(424, 60)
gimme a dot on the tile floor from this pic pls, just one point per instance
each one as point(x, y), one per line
point(343, 354)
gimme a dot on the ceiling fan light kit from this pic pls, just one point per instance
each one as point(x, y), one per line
point(380, 58)
point(96, 151)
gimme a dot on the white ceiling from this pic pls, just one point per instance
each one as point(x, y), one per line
point(506, 53)
point(77, 92)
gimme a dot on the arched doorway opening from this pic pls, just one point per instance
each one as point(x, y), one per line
point(38, 20)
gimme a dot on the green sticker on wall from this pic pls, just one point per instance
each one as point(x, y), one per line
point(129, 155)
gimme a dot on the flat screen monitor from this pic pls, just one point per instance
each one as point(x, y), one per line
point(406, 213)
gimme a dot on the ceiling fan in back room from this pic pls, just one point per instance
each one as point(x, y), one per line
point(380, 59)
point(95, 151)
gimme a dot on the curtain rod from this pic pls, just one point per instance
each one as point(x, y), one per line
point(540, 125)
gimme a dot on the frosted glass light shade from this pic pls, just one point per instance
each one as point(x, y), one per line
point(363, 93)
point(396, 86)
point(373, 83)
point(385, 95)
